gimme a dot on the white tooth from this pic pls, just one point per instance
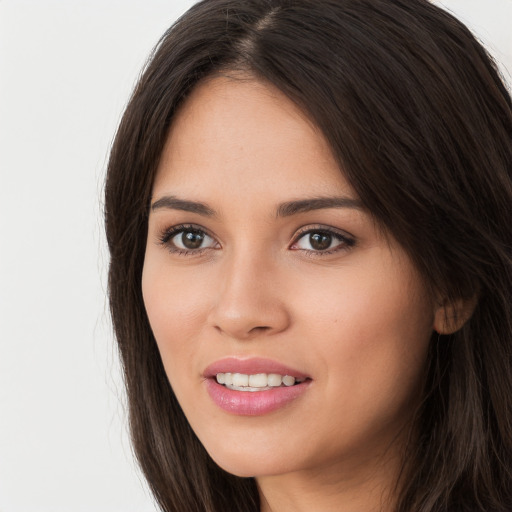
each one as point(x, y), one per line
point(240, 379)
point(221, 378)
point(274, 380)
point(258, 381)
point(288, 380)
point(246, 388)
point(228, 379)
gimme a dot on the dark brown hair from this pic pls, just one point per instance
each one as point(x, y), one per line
point(421, 124)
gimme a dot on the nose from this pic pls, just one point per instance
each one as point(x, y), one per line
point(249, 302)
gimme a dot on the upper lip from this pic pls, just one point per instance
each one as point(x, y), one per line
point(251, 366)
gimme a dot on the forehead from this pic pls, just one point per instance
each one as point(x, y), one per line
point(244, 133)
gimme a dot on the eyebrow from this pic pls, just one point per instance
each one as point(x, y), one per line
point(174, 203)
point(286, 209)
point(306, 205)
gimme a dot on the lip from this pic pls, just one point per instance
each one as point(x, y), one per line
point(252, 403)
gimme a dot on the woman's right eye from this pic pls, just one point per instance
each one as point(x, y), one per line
point(185, 240)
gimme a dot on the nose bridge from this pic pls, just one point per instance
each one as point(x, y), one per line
point(248, 302)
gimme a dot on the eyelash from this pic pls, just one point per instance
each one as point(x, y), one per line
point(346, 241)
point(168, 234)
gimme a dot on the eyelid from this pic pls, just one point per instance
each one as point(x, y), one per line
point(347, 239)
point(166, 235)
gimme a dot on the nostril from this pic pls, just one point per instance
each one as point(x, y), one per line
point(259, 329)
point(249, 333)
point(240, 318)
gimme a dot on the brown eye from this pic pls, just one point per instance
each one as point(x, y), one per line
point(192, 239)
point(188, 239)
point(320, 241)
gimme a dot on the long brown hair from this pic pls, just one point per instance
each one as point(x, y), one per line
point(421, 124)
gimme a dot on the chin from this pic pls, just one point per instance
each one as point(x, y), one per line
point(244, 464)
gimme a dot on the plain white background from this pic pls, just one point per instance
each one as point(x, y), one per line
point(66, 70)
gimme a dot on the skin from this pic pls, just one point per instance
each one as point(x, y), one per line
point(356, 318)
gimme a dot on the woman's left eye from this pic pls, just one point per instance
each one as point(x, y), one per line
point(325, 241)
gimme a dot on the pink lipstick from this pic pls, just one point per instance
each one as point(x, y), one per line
point(255, 386)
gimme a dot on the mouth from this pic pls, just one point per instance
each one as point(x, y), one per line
point(256, 382)
point(254, 386)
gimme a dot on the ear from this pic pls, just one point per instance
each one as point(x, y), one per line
point(451, 316)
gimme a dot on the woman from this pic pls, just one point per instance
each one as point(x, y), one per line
point(308, 214)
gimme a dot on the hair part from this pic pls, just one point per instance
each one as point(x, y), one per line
point(420, 122)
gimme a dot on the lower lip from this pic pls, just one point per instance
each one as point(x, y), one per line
point(253, 403)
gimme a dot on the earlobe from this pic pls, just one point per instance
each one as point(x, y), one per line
point(451, 316)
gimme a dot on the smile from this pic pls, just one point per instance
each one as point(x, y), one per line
point(256, 382)
point(253, 386)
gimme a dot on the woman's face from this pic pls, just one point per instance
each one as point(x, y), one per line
point(262, 262)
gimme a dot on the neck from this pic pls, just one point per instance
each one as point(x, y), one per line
point(368, 486)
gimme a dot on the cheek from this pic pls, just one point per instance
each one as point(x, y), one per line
point(173, 297)
point(365, 304)
point(175, 311)
point(371, 332)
